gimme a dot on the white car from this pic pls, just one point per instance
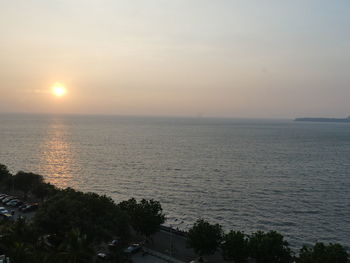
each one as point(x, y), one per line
point(9, 198)
point(3, 210)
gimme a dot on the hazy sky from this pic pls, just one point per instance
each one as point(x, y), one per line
point(224, 58)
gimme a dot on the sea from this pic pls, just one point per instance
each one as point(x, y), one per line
point(245, 174)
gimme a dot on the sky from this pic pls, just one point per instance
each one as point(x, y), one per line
point(224, 58)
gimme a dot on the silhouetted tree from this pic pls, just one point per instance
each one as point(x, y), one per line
point(20, 253)
point(6, 178)
point(75, 248)
point(235, 247)
point(145, 217)
point(17, 239)
point(94, 215)
point(321, 253)
point(204, 237)
point(27, 181)
point(269, 248)
point(44, 190)
point(4, 173)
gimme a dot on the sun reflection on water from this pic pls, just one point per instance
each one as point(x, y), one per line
point(56, 155)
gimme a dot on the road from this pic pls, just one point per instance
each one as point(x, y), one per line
point(138, 258)
point(163, 241)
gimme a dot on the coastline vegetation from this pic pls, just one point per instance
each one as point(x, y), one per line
point(71, 226)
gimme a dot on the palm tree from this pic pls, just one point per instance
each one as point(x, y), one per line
point(75, 249)
point(20, 253)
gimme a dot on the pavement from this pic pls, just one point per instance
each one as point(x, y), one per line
point(174, 245)
point(153, 257)
point(138, 258)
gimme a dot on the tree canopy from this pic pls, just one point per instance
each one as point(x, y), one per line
point(96, 216)
point(204, 237)
point(27, 181)
point(44, 190)
point(75, 248)
point(235, 247)
point(145, 217)
point(321, 253)
point(269, 247)
point(4, 173)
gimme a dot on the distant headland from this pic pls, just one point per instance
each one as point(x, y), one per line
point(324, 119)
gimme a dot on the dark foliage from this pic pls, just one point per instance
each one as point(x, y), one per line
point(269, 248)
point(44, 190)
point(75, 248)
point(145, 217)
point(96, 216)
point(26, 182)
point(321, 253)
point(204, 237)
point(17, 239)
point(235, 247)
point(4, 173)
point(23, 244)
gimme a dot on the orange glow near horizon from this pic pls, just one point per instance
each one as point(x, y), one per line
point(58, 90)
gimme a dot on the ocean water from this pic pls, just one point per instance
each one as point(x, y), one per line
point(248, 175)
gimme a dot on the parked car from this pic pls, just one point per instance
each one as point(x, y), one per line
point(30, 208)
point(3, 210)
point(14, 203)
point(114, 243)
point(3, 196)
point(104, 256)
point(9, 198)
point(132, 249)
point(22, 206)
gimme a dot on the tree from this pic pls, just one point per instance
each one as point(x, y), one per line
point(5, 178)
point(44, 190)
point(27, 181)
point(321, 253)
point(17, 239)
point(75, 248)
point(269, 248)
point(94, 215)
point(235, 247)
point(22, 244)
point(145, 216)
point(4, 173)
point(20, 253)
point(204, 237)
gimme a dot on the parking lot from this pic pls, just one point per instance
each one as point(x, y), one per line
point(12, 207)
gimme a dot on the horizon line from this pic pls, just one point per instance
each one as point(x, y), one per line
point(199, 116)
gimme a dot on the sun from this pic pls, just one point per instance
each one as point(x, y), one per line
point(58, 90)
